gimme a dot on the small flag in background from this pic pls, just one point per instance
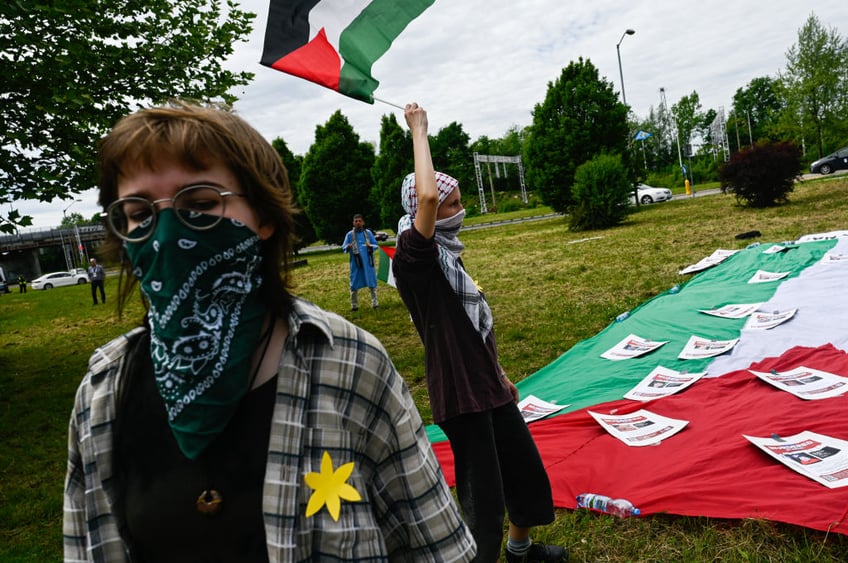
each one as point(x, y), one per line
point(335, 43)
point(642, 135)
point(384, 270)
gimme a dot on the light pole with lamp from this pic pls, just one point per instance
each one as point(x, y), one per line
point(624, 97)
point(618, 52)
point(76, 232)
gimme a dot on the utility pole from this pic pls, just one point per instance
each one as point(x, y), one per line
point(676, 130)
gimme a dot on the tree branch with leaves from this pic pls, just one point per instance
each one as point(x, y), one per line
point(71, 69)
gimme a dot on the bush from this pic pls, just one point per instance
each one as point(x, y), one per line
point(511, 202)
point(705, 169)
point(762, 175)
point(600, 194)
point(664, 178)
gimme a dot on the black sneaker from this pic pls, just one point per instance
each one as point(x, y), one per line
point(539, 552)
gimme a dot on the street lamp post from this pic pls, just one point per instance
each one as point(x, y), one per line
point(618, 52)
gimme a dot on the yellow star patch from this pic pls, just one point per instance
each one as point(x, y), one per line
point(330, 488)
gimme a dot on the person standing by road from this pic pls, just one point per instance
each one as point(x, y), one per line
point(97, 277)
point(22, 283)
point(498, 467)
point(361, 244)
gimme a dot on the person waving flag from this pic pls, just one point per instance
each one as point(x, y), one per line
point(335, 43)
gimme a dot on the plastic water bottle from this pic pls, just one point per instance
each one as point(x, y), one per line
point(674, 289)
point(617, 507)
point(622, 316)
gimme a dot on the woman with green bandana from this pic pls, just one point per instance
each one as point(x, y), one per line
point(238, 422)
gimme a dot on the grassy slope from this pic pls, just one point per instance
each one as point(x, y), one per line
point(548, 287)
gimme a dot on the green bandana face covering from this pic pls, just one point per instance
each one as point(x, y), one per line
point(205, 318)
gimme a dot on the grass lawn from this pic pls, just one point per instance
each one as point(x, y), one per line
point(548, 287)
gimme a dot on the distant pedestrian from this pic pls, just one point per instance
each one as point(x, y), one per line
point(361, 244)
point(96, 275)
point(21, 283)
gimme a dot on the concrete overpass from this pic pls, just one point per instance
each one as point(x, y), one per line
point(32, 252)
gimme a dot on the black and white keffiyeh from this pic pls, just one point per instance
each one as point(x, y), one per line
point(450, 249)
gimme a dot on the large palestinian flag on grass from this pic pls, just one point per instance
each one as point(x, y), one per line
point(335, 43)
point(710, 468)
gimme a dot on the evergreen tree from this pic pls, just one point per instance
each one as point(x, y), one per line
point(451, 150)
point(600, 194)
point(335, 181)
point(390, 167)
point(293, 163)
point(580, 118)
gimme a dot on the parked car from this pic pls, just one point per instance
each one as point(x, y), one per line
point(650, 194)
point(834, 161)
point(4, 287)
point(381, 236)
point(58, 279)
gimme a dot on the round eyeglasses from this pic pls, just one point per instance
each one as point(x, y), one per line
point(198, 207)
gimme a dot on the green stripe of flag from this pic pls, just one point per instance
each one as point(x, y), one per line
point(368, 37)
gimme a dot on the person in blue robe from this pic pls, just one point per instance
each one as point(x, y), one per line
point(360, 244)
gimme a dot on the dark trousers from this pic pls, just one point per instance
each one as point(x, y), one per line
point(497, 466)
point(95, 284)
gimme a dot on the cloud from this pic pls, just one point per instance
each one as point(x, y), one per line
point(487, 63)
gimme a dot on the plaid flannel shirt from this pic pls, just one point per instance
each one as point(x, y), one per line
point(337, 392)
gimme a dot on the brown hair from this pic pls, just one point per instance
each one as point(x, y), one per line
point(198, 137)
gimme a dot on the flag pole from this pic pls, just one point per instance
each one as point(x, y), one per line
point(376, 99)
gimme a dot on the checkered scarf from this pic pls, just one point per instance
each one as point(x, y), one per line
point(450, 249)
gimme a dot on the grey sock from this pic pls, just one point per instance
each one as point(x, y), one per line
point(518, 547)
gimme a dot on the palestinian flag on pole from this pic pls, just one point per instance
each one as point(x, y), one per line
point(335, 43)
point(384, 271)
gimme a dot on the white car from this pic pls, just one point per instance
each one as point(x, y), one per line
point(58, 279)
point(650, 194)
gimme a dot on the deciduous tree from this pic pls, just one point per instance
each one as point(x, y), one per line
point(756, 111)
point(816, 83)
point(686, 113)
point(71, 68)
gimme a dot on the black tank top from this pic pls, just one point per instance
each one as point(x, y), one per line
point(161, 486)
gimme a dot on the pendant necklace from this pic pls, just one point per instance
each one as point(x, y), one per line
point(210, 502)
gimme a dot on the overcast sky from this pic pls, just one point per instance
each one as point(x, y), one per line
point(486, 63)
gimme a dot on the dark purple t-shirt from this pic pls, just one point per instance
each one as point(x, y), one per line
point(463, 374)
